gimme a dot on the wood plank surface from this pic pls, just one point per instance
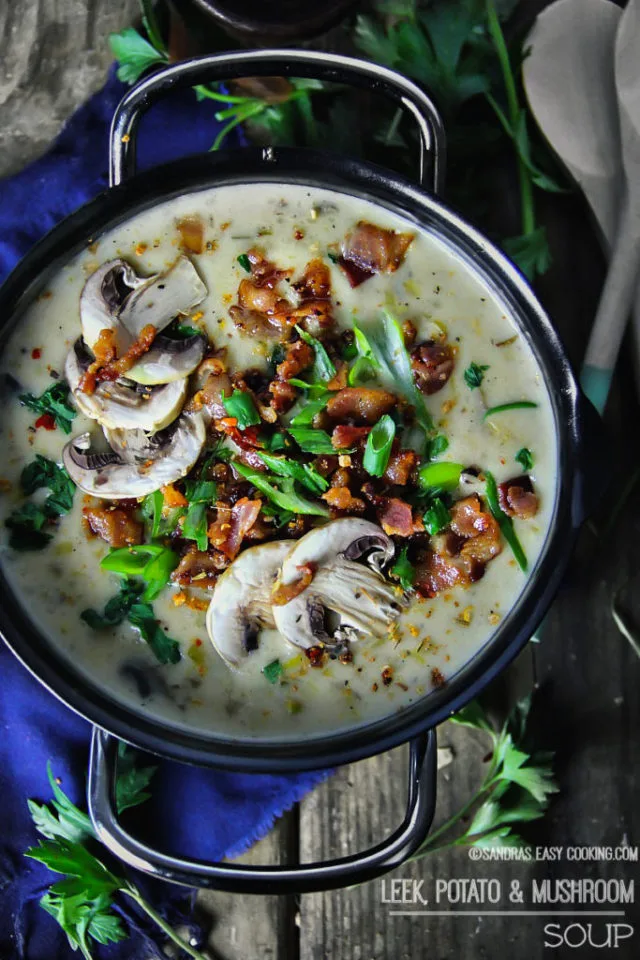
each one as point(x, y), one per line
point(53, 54)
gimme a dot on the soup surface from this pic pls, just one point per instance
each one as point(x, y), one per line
point(287, 272)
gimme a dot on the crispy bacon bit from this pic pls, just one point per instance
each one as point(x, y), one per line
point(115, 368)
point(409, 333)
point(258, 298)
point(231, 526)
point(191, 230)
point(283, 593)
point(345, 436)
point(298, 356)
point(387, 675)
point(437, 678)
point(432, 365)
point(517, 497)
point(400, 467)
point(340, 380)
point(395, 517)
point(200, 568)
point(460, 554)
point(117, 526)
point(217, 386)
point(315, 283)
point(316, 655)
point(360, 404)
point(104, 351)
point(173, 497)
point(369, 249)
point(341, 498)
point(283, 395)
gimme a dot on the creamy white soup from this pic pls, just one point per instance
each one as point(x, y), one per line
point(270, 621)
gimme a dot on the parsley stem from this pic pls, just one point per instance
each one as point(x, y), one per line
point(451, 822)
point(132, 892)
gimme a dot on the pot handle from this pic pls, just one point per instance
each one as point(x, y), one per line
point(240, 878)
point(289, 63)
point(592, 476)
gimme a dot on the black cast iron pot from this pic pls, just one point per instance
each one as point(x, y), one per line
point(577, 437)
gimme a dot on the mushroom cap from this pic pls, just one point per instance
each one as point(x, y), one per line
point(161, 298)
point(167, 456)
point(357, 594)
point(241, 602)
point(101, 299)
point(117, 405)
point(168, 360)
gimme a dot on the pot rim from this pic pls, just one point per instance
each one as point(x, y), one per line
point(316, 169)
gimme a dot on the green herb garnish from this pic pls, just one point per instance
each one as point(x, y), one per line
point(195, 525)
point(55, 402)
point(366, 365)
point(378, 447)
point(244, 262)
point(304, 473)
point(403, 570)
point(183, 331)
point(134, 54)
point(281, 491)
point(309, 411)
point(323, 367)
point(27, 521)
point(116, 609)
point(273, 671)
point(505, 522)
point(152, 509)
point(525, 458)
point(165, 649)
point(241, 406)
point(152, 562)
point(437, 517)
point(516, 405)
point(312, 441)
point(436, 446)
point(474, 374)
point(392, 358)
point(200, 491)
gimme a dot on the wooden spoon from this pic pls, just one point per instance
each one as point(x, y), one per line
point(570, 82)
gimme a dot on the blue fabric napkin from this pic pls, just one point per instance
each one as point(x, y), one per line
point(200, 813)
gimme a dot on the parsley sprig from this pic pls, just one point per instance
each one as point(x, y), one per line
point(55, 402)
point(28, 523)
point(515, 789)
point(85, 901)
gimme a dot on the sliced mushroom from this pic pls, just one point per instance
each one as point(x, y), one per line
point(134, 467)
point(162, 298)
point(169, 360)
point(123, 405)
point(347, 597)
point(241, 602)
point(101, 299)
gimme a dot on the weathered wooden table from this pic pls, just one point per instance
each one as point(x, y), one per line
point(53, 54)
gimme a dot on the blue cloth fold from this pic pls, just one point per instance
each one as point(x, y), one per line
point(203, 813)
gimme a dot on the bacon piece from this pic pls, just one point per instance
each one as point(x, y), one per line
point(314, 310)
point(340, 380)
point(231, 526)
point(409, 333)
point(118, 368)
point(258, 298)
point(298, 356)
point(315, 283)
point(432, 365)
point(396, 518)
point(361, 404)
point(369, 249)
point(217, 386)
point(345, 436)
point(459, 554)
point(284, 593)
point(400, 467)
point(199, 568)
point(104, 351)
point(191, 230)
point(117, 526)
point(341, 498)
point(173, 497)
point(517, 497)
point(283, 395)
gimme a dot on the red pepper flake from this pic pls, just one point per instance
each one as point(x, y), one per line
point(198, 642)
point(36, 353)
point(298, 234)
point(437, 679)
point(316, 656)
point(387, 675)
point(46, 421)
point(374, 687)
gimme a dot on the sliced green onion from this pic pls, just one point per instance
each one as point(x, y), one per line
point(366, 365)
point(244, 262)
point(310, 409)
point(391, 355)
point(200, 491)
point(403, 570)
point(315, 389)
point(275, 442)
point(285, 498)
point(273, 671)
point(525, 458)
point(323, 368)
point(195, 525)
point(152, 507)
point(241, 406)
point(312, 441)
point(157, 573)
point(378, 447)
point(440, 476)
point(505, 522)
point(304, 473)
point(437, 517)
point(516, 405)
point(131, 561)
